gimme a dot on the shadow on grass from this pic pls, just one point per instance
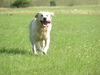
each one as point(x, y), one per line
point(14, 51)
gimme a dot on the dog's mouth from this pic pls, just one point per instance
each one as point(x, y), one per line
point(45, 22)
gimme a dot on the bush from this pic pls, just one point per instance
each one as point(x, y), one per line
point(52, 3)
point(20, 3)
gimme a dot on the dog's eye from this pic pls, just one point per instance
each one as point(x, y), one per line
point(41, 15)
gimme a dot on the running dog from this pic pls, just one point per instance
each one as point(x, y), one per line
point(40, 28)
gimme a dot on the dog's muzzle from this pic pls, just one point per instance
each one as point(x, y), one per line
point(45, 22)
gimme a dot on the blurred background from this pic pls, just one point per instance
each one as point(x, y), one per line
point(30, 3)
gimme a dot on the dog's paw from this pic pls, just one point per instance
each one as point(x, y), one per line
point(44, 53)
point(35, 53)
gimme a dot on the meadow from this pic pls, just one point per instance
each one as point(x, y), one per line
point(74, 47)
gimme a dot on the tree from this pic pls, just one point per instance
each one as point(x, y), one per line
point(20, 3)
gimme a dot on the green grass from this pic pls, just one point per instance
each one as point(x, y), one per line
point(74, 47)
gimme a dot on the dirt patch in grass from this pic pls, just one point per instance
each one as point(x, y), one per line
point(74, 11)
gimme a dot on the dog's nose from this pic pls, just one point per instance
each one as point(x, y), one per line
point(44, 19)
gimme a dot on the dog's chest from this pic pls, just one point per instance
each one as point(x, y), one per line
point(43, 30)
point(42, 33)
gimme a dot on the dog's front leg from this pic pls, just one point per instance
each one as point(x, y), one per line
point(46, 46)
point(34, 49)
point(42, 45)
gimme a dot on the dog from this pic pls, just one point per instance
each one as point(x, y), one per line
point(39, 34)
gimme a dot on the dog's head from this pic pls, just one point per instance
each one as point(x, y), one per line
point(44, 18)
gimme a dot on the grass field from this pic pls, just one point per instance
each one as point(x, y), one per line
point(74, 47)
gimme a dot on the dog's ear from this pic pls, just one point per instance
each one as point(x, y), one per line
point(36, 15)
point(52, 14)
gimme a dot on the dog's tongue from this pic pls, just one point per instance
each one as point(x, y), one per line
point(46, 22)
